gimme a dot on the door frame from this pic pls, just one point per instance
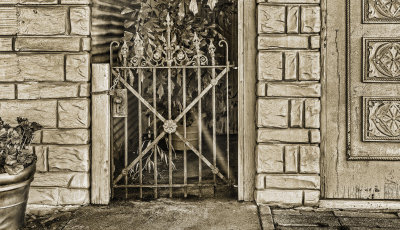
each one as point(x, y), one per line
point(247, 53)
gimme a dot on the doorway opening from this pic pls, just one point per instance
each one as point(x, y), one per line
point(175, 100)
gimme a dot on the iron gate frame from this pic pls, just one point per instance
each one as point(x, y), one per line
point(175, 58)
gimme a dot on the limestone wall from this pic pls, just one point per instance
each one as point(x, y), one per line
point(288, 102)
point(45, 76)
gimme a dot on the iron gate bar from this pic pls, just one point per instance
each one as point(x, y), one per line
point(184, 132)
point(215, 170)
point(191, 105)
point(155, 132)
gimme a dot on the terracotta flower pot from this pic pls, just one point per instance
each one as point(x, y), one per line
point(192, 135)
point(14, 190)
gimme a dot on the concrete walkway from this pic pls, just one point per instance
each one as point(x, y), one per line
point(160, 214)
point(210, 214)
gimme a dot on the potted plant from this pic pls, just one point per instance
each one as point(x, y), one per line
point(17, 167)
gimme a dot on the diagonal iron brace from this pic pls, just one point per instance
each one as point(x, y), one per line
point(214, 169)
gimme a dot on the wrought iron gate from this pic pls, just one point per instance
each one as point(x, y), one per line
point(170, 58)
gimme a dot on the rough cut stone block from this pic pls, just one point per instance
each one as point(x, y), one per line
point(62, 179)
point(283, 42)
point(309, 66)
point(62, 136)
point(309, 159)
point(77, 67)
point(37, 137)
point(311, 197)
point(41, 153)
point(312, 113)
point(42, 20)
point(43, 112)
point(74, 196)
point(7, 91)
point(47, 90)
point(8, 20)
point(41, 67)
point(75, 2)
point(69, 158)
point(272, 113)
point(315, 136)
point(310, 19)
point(5, 44)
point(270, 66)
point(283, 135)
point(292, 181)
point(8, 2)
point(271, 19)
point(296, 113)
point(86, 44)
point(315, 42)
point(38, 1)
point(290, 65)
point(261, 89)
point(279, 197)
point(293, 19)
point(9, 70)
point(58, 196)
point(80, 20)
point(260, 181)
point(73, 113)
point(269, 158)
point(294, 89)
point(291, 159)
point(47, 44)
point(84, 90)
point(43, 196)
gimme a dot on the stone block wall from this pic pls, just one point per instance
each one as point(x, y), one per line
point(288, 102)
point(45, 76)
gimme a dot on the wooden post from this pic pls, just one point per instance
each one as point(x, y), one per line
point(101, 150)
point(247, 40)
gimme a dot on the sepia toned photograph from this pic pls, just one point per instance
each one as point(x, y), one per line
point(199, 114)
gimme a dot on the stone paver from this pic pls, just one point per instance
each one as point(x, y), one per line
point(309, 218)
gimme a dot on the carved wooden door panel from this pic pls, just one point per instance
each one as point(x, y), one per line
point(361, 122)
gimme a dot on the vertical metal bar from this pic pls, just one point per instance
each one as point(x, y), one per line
point(227, 115)
point(199, 123)
point(124, 51)
point(214, 120)
point(140, 134)
point(169, 63)
point(184, 134)
point(155, 132)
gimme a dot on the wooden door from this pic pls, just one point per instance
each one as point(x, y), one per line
point(361, 119)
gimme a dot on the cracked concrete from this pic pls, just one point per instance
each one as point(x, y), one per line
point(210, 214)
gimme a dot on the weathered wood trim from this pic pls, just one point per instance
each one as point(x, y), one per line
point(360, 204)
point(101, 151)
point(247, 37)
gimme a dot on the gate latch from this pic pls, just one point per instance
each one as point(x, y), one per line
point(120, 103)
